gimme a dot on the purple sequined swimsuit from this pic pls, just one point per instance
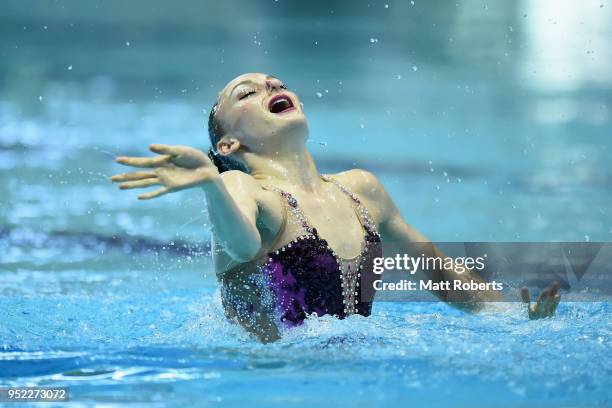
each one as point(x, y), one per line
point(305, 275)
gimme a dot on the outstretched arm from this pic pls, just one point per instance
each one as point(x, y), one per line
point(401, 237)
point(398, 237)
point(230, 196)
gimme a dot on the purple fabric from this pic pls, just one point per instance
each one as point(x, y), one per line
point(305, 279)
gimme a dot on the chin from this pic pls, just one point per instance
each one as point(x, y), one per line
point(292, 124)
point(288, 132)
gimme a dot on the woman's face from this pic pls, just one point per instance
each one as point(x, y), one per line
point(261, 113)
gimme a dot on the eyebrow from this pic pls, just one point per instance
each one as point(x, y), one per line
point(250, 81)
point(242, 83)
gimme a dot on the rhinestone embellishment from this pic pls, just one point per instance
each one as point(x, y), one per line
point(350, 277)
point(350, 272)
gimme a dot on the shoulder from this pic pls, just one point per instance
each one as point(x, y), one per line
point(245, 188)
point(236, 176)
point(369, 190)
point(360, 182)
point(240, 183)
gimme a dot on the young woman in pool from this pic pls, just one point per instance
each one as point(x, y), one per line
point(288, 241)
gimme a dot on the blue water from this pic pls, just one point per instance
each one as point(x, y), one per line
point(459, 110)
point(119, 337)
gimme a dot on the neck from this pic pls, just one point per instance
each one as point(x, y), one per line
point(296, 167)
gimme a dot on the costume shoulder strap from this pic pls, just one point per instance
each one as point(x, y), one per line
point(293, 206)
point(361, 209)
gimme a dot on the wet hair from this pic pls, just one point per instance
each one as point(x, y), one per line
point(215, 132)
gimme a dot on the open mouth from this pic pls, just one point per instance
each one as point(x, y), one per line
point(280, 104)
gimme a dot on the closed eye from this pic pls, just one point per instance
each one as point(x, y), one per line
point(246, 95)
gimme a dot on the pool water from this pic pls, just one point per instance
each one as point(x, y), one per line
point(472, 130)
point(159, 336)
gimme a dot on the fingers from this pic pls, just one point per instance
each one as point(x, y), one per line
point(554, 288)
point(555, 303)
point(153, 194)
point(554, 299)
point(144, 161)
point(165, 149)
point(535, 311)
point(542, 302)
point(532, 312)
point(543, 296)
point(546, 304)
point(137, 175)
point(140, 183)
point(525, 296)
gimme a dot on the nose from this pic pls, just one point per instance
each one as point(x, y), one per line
point(273, 84)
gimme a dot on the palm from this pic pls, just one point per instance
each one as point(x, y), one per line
point(179, 178)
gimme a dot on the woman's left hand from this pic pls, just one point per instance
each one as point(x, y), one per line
point(175, 169)
point(546, 305)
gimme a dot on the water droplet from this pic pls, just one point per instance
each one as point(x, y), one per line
point(127, 43)
point(373, 40)
point(69, 67)
point(361, 125)
point(319, 95)
point(386, 6)
point(415, 68)
point(40, 98)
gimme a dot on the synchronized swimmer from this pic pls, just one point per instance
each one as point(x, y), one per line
point(287, 240)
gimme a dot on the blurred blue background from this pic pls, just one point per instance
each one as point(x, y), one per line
point(485, 120)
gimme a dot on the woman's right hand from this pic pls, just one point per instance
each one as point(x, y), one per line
point(176, 168)
point(546, 305)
